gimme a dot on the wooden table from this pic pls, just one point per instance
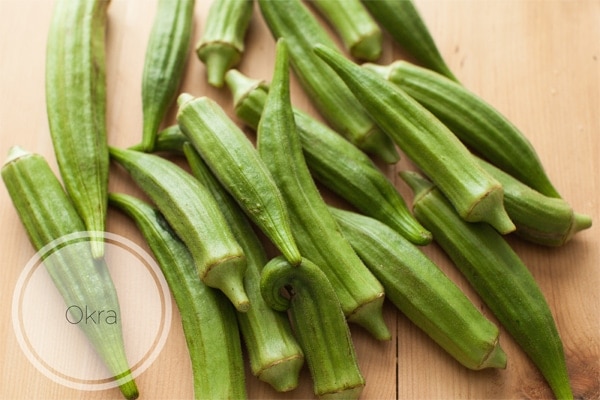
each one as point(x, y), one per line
point(538, 62)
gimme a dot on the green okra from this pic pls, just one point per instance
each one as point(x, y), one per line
point(334, 161)
point(319, 324)
point(402, 20)
point(208, 319)
point(418, 288)
point(76, 106)
point(540, 219)
point(164, 63)
point(475, 122)
point(360, 34)
point(171, 140)
point(48, 214)
point(195, 217)
point(315, 230)
point(500, 278)
point(222, 43)
point(275, 355)
point(235, 162)
point(427, 142)
point(291, 20)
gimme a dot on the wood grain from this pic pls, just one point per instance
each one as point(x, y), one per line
point(538, 62)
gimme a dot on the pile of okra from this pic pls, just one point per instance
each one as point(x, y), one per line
point(476, 178)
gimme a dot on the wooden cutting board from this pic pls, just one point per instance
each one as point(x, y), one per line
point(538, 62)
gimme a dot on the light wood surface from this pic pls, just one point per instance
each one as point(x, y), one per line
point(538, 62)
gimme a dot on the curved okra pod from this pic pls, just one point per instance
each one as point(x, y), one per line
point(540, 219)
point(164, 64)
point(222, 42)
point(500, 278)
point(208, 319)
point(315, 230)
point(427, 142)
point(47, 215)
point(291, 20)
point(402, 20)
point(76, 105)
point(319, 324)
point(360, 33)
point(236, 163)
point(334, 162)
point(418, 288)
point(195, 217)
point(475, 122)
point(275, 356)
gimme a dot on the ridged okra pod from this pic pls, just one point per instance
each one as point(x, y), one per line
point(475, 122)
point(76, 106)
point(402, 20)
point(164, 63)
point(319, 325)
point(360, 34)
point(48, 215)
point(418, 288)
point(315, 230)
point(222, 43)
point(291, 20)
point(540, 219)
point(275, 355)
point(233, 159)
point(195, 217)
point(427, 142)
point(334, 161)
point(500, 278)
point(208, 319)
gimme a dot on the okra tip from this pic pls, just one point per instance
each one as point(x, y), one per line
point(218, 59)
point(283, 375)
point(495, 359)
point(183, 99)
point(14, 153)
point(369, 47)
point(129, 389)
point(240, 85)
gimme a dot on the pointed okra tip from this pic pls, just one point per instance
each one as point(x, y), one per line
point(241, 85)
point(417, 183)
point(14, 153)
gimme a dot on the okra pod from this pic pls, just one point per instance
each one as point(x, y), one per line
point(195, 217)
point(275, 355)
point(475, 122)
point(170, 139)
point(334, 161)
point(164, 63)
point(360, 34)
point(48, 214)
point(315, 230)
point(427, 142)
point(76, 106)
point(402, 20)
point(291, 20)
point(208, 319)
point(500, 278)
point(222, 43)
point(422, 292)
point(319, 324)
point(235, 162)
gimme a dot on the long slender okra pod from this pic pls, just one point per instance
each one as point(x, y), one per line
point(319, 324)
point(427, 142)
point(402, 20)
point(208, 319)
point(76, 105)
point(418, 288)
point(47, 215)
point(291, 20)
point(334, 161)
point(315, 230)
point(548, 221)
point(275, 355)
point(235, 162)
point(165, 62)
point(222, 43)
point(475, 122)
point(500, 278)
point(360, 33)
point(195, 217)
